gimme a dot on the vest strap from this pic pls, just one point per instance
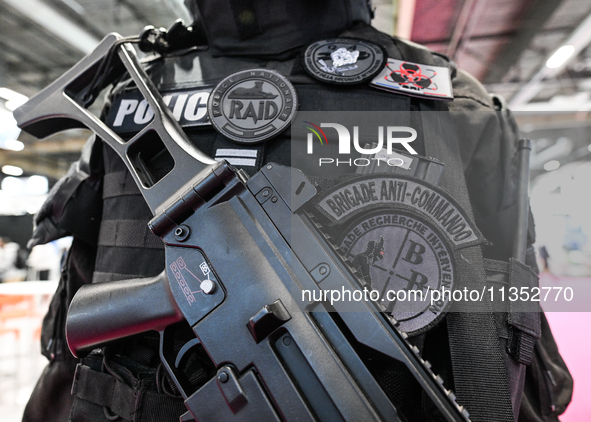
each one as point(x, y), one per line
point(119, 400)
point(474, 345)
point(128, 233)
point(119, 183)
point(104, 390)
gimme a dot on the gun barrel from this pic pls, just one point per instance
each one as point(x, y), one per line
point(105, 312)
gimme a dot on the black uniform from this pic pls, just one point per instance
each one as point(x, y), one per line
point(99, 203)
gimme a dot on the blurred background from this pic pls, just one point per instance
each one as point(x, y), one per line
point(535, 53)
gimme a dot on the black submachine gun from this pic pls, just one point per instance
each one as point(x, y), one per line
point(237, 249)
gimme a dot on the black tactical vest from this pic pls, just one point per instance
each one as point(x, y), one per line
point(476, 142)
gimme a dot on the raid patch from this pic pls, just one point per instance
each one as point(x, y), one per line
point(418, 80)
point(130, 112)
point(343, 61)
point(252, 105)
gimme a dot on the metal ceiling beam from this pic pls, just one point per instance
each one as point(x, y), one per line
point(68, 141)
point(467, 36)
point(405, 15)
point(480, 37)
point(55, 22)
point(579, 38)
point(537, 15)
point(545, 84)
point(459, 27)
point(178, 8)
point(47, 158)
point(30, 165)
point(66, 146)
point(135, 11)
point(27, 58)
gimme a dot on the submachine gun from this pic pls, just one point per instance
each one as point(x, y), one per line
point(237, 249)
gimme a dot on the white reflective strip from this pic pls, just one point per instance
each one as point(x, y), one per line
point(250, 162)
point(229, 152)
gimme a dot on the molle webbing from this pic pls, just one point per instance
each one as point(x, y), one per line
point(128, 234)
point(126, 246)
point(474, 345)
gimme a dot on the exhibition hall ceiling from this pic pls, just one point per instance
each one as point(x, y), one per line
point(504, 43)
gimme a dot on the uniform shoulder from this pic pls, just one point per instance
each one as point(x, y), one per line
point(468, 92)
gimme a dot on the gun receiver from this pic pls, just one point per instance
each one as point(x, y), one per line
point(238, 254)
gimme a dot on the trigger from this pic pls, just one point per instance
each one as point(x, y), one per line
point(188, 345)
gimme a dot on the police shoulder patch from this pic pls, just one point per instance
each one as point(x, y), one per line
point(401, 235)
point(252, 105)
point(343, 61)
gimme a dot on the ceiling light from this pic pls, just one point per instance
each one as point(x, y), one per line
point(580, 38)
point(37, 185)
point(6, 119)
point(12, 185)
point(12, 170)
point(34, 208)
point(560, 56)
point(12, 145)
point(13, 99)
point(25, 186)
point(552, 165)
point(10, 95)
point(13, 105)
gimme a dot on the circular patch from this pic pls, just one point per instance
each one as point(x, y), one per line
point(406, 260)
point(343, 61)
point(252, 105)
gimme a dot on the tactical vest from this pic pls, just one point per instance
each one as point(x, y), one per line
point(467, 349)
